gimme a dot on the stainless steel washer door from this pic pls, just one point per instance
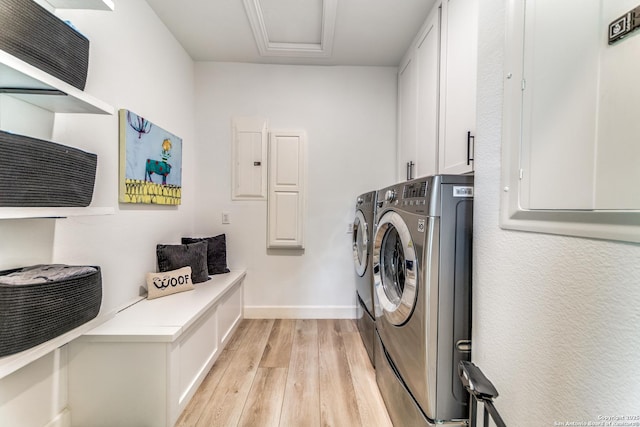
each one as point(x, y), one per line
point(394, 268)
point(360, 243)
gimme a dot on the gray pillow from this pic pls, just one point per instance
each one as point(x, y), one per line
point(194, 255)
point(216, 252)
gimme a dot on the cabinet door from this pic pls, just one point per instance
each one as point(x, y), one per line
point(458, 85)
point(407, 111)
point(287, 177)
point(427, 57)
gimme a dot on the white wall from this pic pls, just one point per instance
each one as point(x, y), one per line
point(555, 319)
point(348, 114)
point(135, 63)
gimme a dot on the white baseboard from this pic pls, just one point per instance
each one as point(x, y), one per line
point(63, 419)
point(300, 312)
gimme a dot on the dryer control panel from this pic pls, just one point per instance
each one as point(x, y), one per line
point(423, 196)
point(415, 189)
point(415, 196)
point(412, 196)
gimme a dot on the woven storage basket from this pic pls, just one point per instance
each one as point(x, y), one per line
point(34, 35)
point(33, 314)
point(37, 173)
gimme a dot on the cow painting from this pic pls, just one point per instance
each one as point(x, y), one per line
point(150, 162)
point(159, 167)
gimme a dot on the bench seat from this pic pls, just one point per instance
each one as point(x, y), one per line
point(143, 366)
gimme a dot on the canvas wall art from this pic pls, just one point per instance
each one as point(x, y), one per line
point(150, 162)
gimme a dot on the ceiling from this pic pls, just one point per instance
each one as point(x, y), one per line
point(353, 32)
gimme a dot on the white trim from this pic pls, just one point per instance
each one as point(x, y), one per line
point(269, 48)
point(300, 312)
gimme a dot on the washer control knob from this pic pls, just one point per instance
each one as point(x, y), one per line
point(390, 195)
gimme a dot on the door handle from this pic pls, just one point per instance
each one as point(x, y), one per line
point(410, 170)
point(470, 138)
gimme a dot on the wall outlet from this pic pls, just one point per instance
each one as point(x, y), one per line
point(225, 218)
point(350, 228)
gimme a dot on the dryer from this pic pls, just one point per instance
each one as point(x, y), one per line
point(422, 279)
point(362, 256)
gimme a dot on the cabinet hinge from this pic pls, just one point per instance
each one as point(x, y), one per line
point(523, 84)
point(521, 173)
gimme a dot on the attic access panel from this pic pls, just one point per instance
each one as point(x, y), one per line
point(300, 28)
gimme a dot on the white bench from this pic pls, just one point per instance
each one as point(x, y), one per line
point(142, 367)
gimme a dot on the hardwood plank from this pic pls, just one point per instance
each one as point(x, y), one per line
point(347, 325)
point(277, 353)
point(195, 408)
point(236, 340)
point(226, 403)
point(301, 404)
point(327, 380)
point(338, 403)
point(264, 402)
point(370, 404)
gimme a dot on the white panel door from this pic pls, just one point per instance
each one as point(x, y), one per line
point(287, 178)
point(458, 85)
point(249, 151)
point(286, 211)
point(407, 111)
point(428, 61)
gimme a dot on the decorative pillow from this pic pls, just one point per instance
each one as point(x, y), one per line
point(216, 252)
point(169, 282)
point(172, 257)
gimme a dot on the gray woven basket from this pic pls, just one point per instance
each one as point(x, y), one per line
point(38, 173)
point(33, 314)
point(36, 36)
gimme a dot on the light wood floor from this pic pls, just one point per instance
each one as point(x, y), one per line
point(290, 373)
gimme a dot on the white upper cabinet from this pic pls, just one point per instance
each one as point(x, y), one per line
point(428, 61)
point(437, 94)
point(407, 115)
point(418, 103)
point(458, 86)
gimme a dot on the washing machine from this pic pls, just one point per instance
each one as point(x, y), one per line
point(362, 255)
point(422, 280)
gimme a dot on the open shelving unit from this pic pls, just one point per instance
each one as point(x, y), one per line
point(53, 212)
point(13, 362)
point(82, 4)
point(30, 84)
point(21, 80)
